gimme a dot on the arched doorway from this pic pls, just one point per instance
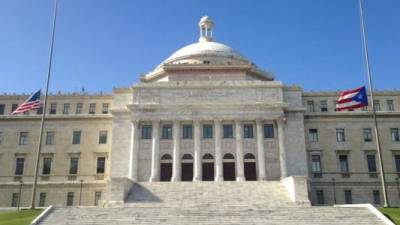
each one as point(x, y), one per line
point(208, 167)
point(166, 168)
point(229, 167)
point(250, 171)
point(187, 167)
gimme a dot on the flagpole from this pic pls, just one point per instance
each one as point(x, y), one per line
point(39, 148)
point(378, 142)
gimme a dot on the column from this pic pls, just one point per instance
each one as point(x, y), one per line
point(134, 151)
point(176, 163)
point(282, 151)
point(239, 151)
point(155, 152)
point(197, 151)
point(219, 176)
point(260, 151)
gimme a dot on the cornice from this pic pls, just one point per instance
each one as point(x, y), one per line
point(55, 117)
point(210, 84)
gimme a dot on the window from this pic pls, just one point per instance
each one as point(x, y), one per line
point(313, 135)
point(53, 108)
point(367, 133)
point(397, 162)
point(371, 163)
point(40, 110)
point(92, 108)
point(248, 131)
point(97, 197)
point(146, 132)
point(316, 166)
point(390, 105)
point(1, 138)
point(207, 131)
point(73, 169)
point(50, 137)
point(395, 134)
point(103, 137)
point(310, 106)
point(340, 136)
point(228, 130)
point(46, 166)
point(268, 131)
point(23, 138)
point(166, 132)
point(70, 198)
point(101, 163)
point(376, 197)
point(347, 197)
point(14, 200)
point(104, 109)
point(76, 137)
point(324, 106)
point(2, 107)
point(79, 107)
point(377, 105)
point(19, 166)
point(320, 197)
point(187, 131)
point(344, 164)
point(14, 107)
point(42, 199)
point(66, 108)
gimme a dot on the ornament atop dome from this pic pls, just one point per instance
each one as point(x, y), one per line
point(206, 26)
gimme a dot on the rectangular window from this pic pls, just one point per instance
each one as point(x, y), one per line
point(397, 162)
point(187, 131)
point(166, 132)
point(76, 137)
point(103, 137)
point(310, 106)
point(324, 106)
point(367, 133)
point(348, 197)
point(316, 163)
point(313, 135)
point(146, 132)
point(50, 137)
point(66, 108)
point(97, 197)
point(390, 105)
point(92, 108)
point(377, 105)
point(1, 138)
point(2, 107)
point(46, 166)
point(70, 198)
point(42, 199)
point(23, 138)
point(340, 136)
point(14, 200)
point(248, 131)
point(207, 131)
point(73, 169)
point(14, 107)
point(344, 163)
point(79, 108)
point(101, 163)
point(104, 108)
point(19, 166)
point(376, 197)
point(320, 197)
point(371, 163)
point(228, 130)
point(269, 131)
point(39, 111)
point(53, 108)
point(395, 134)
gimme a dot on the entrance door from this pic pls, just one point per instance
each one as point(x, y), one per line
point(208, 171)
point(187, 172)
point(229, 171)
point(166, 172)
point(250, 170)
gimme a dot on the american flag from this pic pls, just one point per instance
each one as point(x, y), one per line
point(352, 99)
point(33, 102)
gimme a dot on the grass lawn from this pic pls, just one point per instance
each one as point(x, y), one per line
point(23, 217)
point(392, 213)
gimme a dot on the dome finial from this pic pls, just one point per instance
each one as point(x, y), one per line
point(206, 26)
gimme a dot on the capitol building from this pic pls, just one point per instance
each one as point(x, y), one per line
point(206, 115)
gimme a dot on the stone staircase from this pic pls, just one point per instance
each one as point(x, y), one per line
point(210, 203)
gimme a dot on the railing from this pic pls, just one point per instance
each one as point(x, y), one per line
point(352, 176)
point(54, 178)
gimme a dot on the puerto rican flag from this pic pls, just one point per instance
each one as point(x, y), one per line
point(33, 102)
point(352, 99)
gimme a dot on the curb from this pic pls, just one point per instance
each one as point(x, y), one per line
point(42, 215)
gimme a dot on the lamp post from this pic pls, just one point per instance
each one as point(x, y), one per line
point(80, 193)
point(19, 195)
point(334, 190)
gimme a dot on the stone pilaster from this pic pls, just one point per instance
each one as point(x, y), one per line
point(155, 152)
point(239, 151)
point(176, 163)
point(197, 151)
point(219, 176)
point(282, 150)
point(134, 151)
point(260, 151)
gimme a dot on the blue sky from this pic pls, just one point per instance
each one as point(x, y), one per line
point(101, 44)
